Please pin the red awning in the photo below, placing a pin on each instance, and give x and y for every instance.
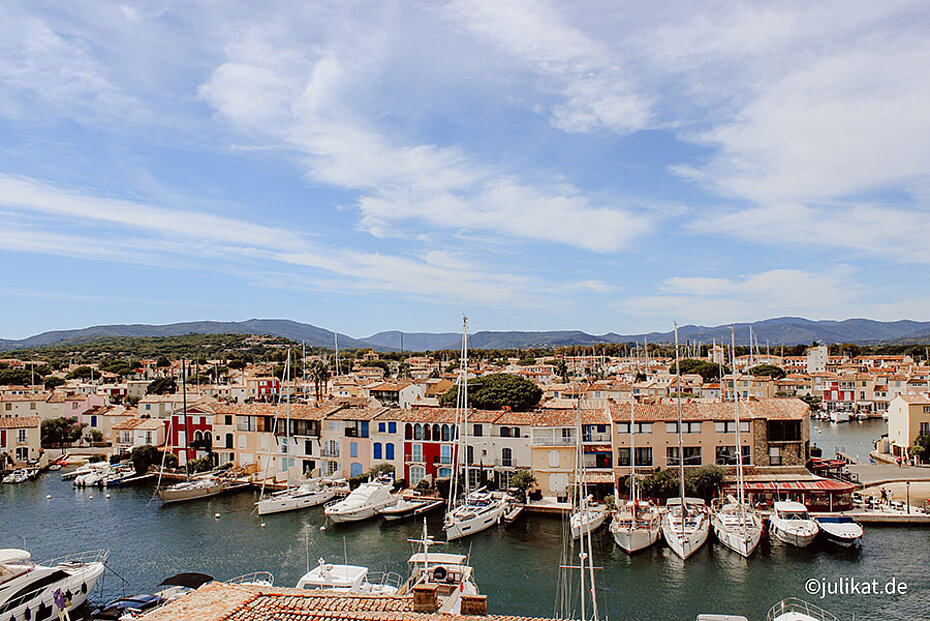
(823, 486)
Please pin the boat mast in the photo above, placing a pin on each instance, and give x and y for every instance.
(184, 407)
(336, 345)
(287, 414)
(739, 449)
(463, 392)
(633, 452)
(681, 440)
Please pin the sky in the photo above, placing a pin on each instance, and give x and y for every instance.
(366, 166)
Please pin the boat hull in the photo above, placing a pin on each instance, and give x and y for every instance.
(685, 542)
(182, 495)
(584, 524)
(356, 515)
(79, 584)
(633, 540)
(794, 537)
(480, 521)
(282, 505)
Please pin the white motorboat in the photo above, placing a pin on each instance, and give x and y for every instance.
(363, 502)
(685, 526)
(73, 474)
(792, 524)
(255, 578)
(636, 526)
(17, 476)
(588, 518)
(201, 487)
(737, 527)
(93, 475)
(310, 494)
(841, 530)
(348, 578)
(450, 574)
(28, 589)
(407, 508)
(480, 511)
(794, 609)
(839, 416)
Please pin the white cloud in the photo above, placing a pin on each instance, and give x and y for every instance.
(307, 107)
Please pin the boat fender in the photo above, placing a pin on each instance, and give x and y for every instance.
(440, 573)
(84, 588)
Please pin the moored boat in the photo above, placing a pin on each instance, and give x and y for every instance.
(636, 526)
(310, 494)
(841, 530)
(408, 508)
(792, 524)
(349, 578)
(31, 590)
(363, 502)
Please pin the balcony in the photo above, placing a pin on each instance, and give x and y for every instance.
(600, 438)
(329, 453)
(554, 441)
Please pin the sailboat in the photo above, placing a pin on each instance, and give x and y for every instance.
(478, 510)
(685, 525)
(308, 494)
(737, 525)
(200, 486)
(587, 515)
(637, 524)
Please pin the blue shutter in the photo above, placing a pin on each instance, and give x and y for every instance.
(392, 427)
(377, 450)
(389, 450)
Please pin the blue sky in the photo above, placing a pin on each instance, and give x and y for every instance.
(390, 165)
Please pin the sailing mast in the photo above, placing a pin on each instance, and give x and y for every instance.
(336, 343)
(463, 392)
(681, 440)
(461, 405)
(184, 406)
(739, 450)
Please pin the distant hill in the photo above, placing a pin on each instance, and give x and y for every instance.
(780, 331)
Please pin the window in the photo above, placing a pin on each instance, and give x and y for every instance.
(470, 454)
(408, 432)
(417, 474)
(445, 433)
(925, 429)
(427, 434)
(416, 454)
(21, 436)
(445, 454)
(686, 427)
(784, 430)
(32, 405)
(364, 433)
(376, 450)
(8, 406)
(730, 426)
(774, 455)
(692, 455)
(381, 427)
(392, 427)
(418, 432)
(643, 456)
(229, 440)
(726, 455)
(228, 420)
(506, 457)
(478, 430)
(445, 473)
(516, 433)
(353, 449)
(505, 432)
(553, 459)
(388, 450)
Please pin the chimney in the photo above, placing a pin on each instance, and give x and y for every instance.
(475, 605)
(424, 598)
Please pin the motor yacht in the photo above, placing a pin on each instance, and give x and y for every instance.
(480, 510)
(349, 578)
(636, 526)
(17, 476)
(685, 526)
(310, 494)
(841, 530)
(794, 609)
(738, 527)
(792, 524)
(31, 590)
(363, 502)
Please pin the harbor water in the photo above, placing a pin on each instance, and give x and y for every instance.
(517, 567)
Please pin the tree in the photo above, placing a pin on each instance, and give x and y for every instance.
(767, 370)
(60, 431)
(15, 377)
(162, 386)
(146, 456)
(319, 375)
(526, 362)
(53, 381)
(96, 435)
(497, 390)
(83, 372)
(707, 370)
(403, 370)
(703, 482)
(921, 449)
(162, 362)
(523, 480)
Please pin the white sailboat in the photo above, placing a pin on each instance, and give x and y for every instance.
(478, 510)
(737, 525)
(637, 524)
(309, 494)
(587, 515)
(685, 525)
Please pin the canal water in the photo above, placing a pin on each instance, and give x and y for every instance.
(517, 567)
(855, 438)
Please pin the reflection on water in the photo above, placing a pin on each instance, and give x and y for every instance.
(856, 438)
(517, 567)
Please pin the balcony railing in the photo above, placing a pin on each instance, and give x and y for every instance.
(596, 437)
(554, 441)
(329, 453)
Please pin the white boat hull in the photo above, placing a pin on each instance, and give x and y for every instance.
(687, 541)
(800, 539)
(584, 522)
(741, 539)
(272, 505)
(172, 494)
(632, 540)
(357, 515)
(80, 583)
(463, 524)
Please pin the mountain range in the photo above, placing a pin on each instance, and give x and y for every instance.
(779, 331)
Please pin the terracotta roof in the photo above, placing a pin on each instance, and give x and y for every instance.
(556, 418)
(231, 602)
(356, 413)
(391, 386)
(9, 397)
(19, 422)
(298, 411)
(921, 399)
(419, 415)
(786, 409)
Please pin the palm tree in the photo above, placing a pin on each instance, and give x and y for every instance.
(318, 374)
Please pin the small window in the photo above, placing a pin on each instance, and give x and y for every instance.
(376, 450)
(479, 431)
(389, 451)
(553, 459)
(392, 427)
(381, 427)
(353, 449)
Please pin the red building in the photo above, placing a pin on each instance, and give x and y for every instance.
(194, 431)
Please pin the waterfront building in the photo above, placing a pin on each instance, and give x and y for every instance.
(398, 394)
(555, 451)
(908, 418)
(428, 442)
(352, 427)
(20, 439)
(134, 432)
(103, 418)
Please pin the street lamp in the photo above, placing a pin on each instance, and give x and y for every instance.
(907, 496)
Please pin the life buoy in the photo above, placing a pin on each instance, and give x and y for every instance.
(440, 573)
